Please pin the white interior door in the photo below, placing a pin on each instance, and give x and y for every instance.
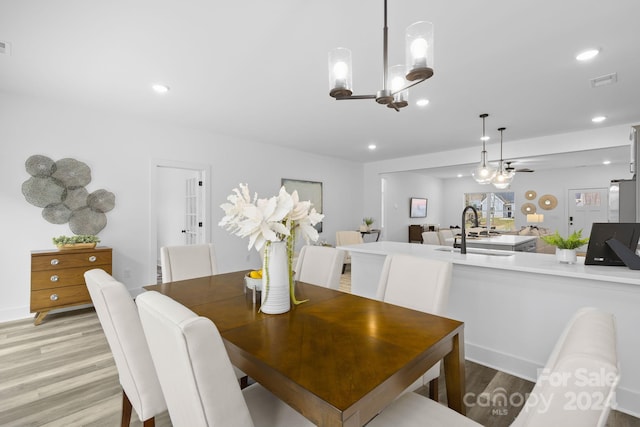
(586, 206)
(193, 223)
(173, 209)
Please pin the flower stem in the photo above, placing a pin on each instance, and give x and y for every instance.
(265, 268)
(291, 239)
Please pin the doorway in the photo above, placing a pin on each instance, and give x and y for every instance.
(179, 208)
(586, 206)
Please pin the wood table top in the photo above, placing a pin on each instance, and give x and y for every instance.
(338, 358)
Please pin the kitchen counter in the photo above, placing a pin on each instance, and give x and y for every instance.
(517, 261)
(515, 304)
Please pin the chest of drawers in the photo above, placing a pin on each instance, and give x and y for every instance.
(57, 277)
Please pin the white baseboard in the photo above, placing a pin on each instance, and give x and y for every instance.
(16, 313)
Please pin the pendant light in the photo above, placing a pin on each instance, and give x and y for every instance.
(484, 173)
(396, 80)
(503, 178)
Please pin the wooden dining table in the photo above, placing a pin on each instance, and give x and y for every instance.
(338, 358)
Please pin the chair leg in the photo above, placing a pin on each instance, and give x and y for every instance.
(151, 422)
(126, 410)
(344, 267)
(433, 389)
(244, 382)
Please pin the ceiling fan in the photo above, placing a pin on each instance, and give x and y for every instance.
(510, 168)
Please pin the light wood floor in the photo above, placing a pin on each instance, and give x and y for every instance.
(61, 373)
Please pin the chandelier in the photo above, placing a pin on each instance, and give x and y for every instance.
(396, 80)
(503, 177)
(484, 172)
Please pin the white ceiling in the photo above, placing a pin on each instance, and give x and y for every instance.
(258, 69)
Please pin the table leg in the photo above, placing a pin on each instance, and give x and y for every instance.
(454, 374)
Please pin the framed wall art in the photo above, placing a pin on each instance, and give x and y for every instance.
(417, 207)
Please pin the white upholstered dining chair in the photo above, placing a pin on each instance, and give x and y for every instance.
(320, 265)
(118, 316)
(420, 284)
(348, 237)
(187, 262)
(446, 237)
(430, 238)
(583, 365)
(196, 375)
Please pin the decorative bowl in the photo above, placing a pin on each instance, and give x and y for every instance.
(253, 283)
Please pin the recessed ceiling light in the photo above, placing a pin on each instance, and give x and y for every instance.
(372, 147)
(459, 175)
(587, 54)
(422, 102)
(158, 88)
(606, 162)
(599, 119)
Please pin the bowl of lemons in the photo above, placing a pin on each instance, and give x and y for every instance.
(253, 280)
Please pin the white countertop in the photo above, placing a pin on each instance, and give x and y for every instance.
(503, 239)
(518, 261)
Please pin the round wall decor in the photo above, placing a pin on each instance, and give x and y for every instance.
(528, 208)
(548, 202)
(530, 194)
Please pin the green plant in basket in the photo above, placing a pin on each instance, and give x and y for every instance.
(368, 221)
(574, 241)
(77, 238)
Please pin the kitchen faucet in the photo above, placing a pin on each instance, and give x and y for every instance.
(463, 237)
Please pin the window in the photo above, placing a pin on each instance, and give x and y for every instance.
(495, 208)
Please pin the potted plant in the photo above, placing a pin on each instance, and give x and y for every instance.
(77, 241)
(566, 247)
(367, 221)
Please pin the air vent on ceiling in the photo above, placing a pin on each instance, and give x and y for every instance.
(607, 79)
(4, 48)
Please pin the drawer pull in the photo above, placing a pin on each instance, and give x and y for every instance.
(54, 297)
(54, 261)
(54, 278)
(92, 258)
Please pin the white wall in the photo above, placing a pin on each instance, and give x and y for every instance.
(119, 151)
(400, 187)
(600, 137)
(556, 182)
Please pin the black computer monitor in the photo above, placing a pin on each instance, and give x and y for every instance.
(613, 243)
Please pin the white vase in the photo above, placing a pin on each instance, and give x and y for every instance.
(566, 256)
(275, 293)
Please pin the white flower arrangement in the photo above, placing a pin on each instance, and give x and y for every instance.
(270, 220)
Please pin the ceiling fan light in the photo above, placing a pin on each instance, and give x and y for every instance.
(419, 50)
(340, 77)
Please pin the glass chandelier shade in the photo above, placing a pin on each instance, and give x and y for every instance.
(502, 179)
(484, 172)
(396, 80)
(419, 50)
(340, 80)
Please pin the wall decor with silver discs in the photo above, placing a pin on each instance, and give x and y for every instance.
(59, 188)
